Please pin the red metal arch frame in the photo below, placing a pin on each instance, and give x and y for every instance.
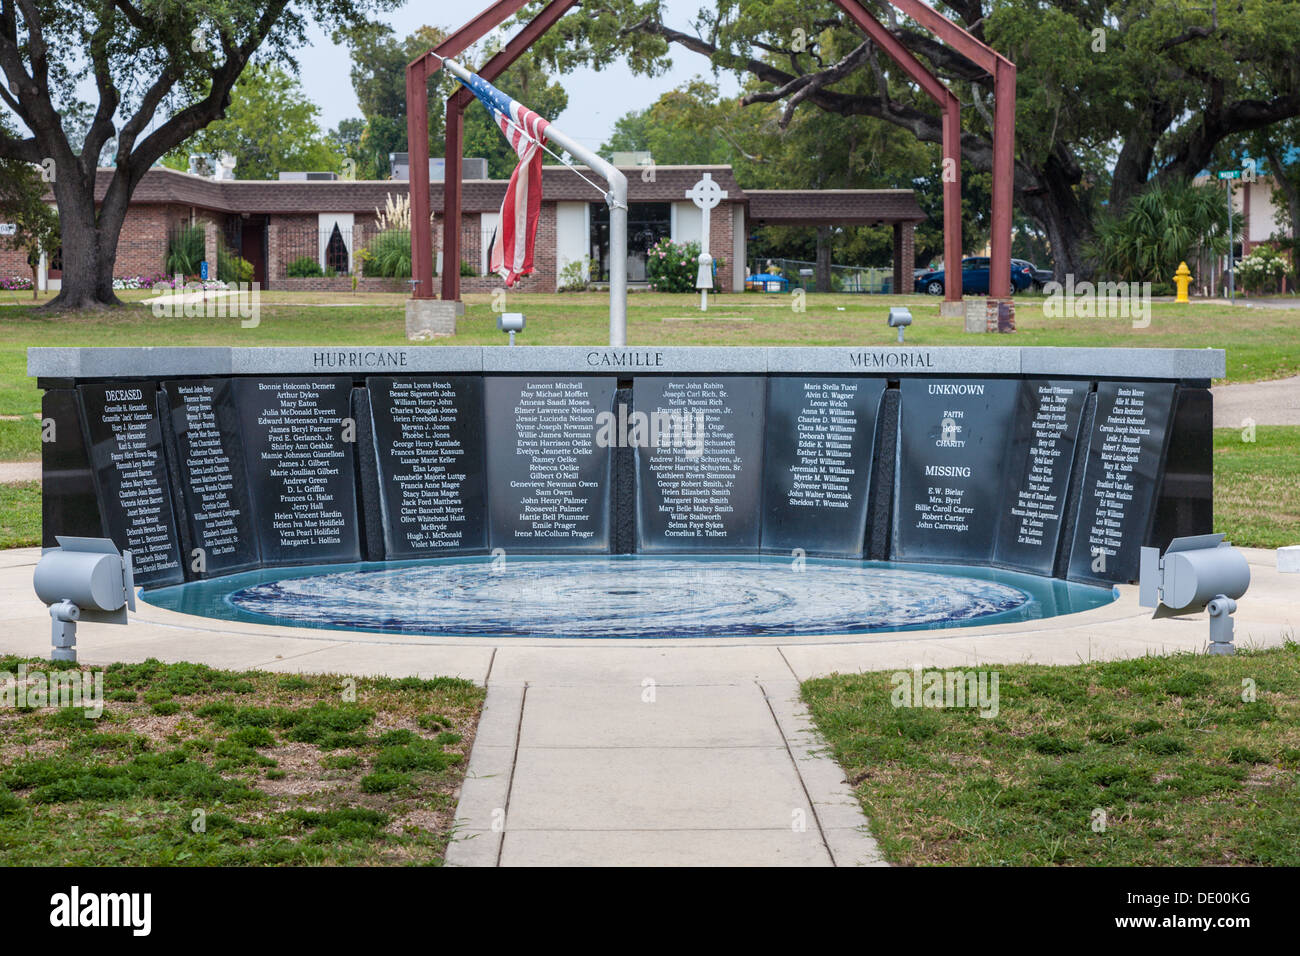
(986, 58)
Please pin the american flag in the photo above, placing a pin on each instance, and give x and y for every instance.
(516, 233)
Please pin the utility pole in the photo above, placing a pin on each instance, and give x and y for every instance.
(1228, 175)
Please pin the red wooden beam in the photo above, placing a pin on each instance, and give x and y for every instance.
(953, 34)
(1004, 177)
(417, 146)
(951, 165)
(456, 104)
(518, 46)
(1003, 72)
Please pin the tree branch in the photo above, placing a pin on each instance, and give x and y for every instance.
(101, 127)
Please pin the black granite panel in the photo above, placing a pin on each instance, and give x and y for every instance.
(1186, 502)
(1039, 460)
(69, 505)
(821, 433)
(124, 435)
(548, 472)
(1123, 475)
(298, 434)
(953, 436)
(214, 505)
(699, 469)
(428, 440)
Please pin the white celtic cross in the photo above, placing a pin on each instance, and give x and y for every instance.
(706, 194)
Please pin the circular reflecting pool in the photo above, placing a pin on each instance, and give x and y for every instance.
(630, 596)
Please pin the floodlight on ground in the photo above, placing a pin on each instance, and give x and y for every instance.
(83, 579)
(900, 317)
(1200, 572)
(511, 322)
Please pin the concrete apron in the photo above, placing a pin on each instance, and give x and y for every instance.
(645, 752)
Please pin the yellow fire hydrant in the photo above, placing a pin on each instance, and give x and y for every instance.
(1182, 279)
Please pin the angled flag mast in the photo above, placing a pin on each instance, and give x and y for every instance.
(527, 133)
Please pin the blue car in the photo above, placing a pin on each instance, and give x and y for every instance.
(975, 277)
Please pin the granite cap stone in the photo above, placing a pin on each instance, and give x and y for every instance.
(895, 360)
(174, 361)
(639, 360)
(1124, 363)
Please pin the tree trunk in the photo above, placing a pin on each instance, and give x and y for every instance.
(89, 244)
(1055, 206)
(823, 258)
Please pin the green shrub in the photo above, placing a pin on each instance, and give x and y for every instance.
(388, 255)
(185, 250)
(231, 268)
(1152, 232)
(304, 268)
(466, 269)
(673, 266)
(573, 277)
(1262, 270)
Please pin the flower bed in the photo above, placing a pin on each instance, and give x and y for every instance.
(124, 283)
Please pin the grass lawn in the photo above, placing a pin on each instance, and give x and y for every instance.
(1184, 771)
(1257, 486)
(193, 766)
(20, 515)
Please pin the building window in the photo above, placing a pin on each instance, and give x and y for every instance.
(647, 223)
(336, 254)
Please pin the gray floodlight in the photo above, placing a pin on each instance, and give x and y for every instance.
(1199, 572)
(83, 579)
(900, 316)
(511, 322)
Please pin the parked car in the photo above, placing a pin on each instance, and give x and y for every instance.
(974, 278)
(1038, 277)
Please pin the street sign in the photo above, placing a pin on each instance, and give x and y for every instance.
(203, 270)
(1230, 174)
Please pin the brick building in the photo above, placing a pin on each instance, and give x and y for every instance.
(273, 224)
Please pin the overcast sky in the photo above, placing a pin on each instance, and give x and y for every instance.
(596, 100)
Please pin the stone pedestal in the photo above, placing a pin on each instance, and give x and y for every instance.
(430, 319)
(1001, 315)
(951, 310)
(975, 314)
(1288, 559)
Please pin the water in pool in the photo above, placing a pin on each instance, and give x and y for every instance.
(630, 596)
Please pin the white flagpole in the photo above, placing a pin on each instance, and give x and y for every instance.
(616, 199)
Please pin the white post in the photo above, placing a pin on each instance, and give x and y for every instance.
(616, 199)
(706, 194)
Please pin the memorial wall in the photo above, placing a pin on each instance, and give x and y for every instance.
(1050, 461)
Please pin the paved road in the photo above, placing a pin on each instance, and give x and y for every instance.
(1265, 403)
(1274, 303)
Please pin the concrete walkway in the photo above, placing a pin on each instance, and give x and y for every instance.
(1265, 403)
(14, 472)
(649, 752)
